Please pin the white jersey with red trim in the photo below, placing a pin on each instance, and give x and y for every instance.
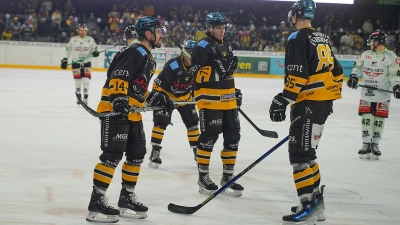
(80, 48)
(377, 70)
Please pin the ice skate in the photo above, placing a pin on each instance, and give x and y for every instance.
(85, 100)
(305, 214)
(365, 151)
(130, 207)
(206, 185)
(99, 210)
(155, 159)
(234, 189)
(78, 96)
(319, 204)
(375, 151)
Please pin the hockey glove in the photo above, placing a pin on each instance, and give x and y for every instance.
(157, 98)
(64, 63)
(95, 53)
(121, 104)
(396, 88)
(239, 97)
(352, 81)
(277, 110)
(226, 66)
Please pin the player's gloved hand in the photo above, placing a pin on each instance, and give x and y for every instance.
(64, 63)
(352, 81)
(277, 110)
(95, 53)
(239, 97)
(396, 88)
(233, 64)
(157, 98)
(121, 104)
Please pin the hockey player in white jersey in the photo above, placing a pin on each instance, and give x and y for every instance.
(379, 68)
(82, 47)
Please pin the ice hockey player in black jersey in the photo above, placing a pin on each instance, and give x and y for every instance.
(175, 81)
(217, 100)
(126, 87)
(313, 80)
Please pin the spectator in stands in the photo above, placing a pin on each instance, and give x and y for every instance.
(335, 40)
(68, 7)
(367, 28)
(57, 17)
(16, 28)
(113, 21)
(54, 31)
(48, 5)
(148, 9)
(29, 9)
(2, 25)
(26, 31)
(269, 47)
(43, 31)
(186, 9)
(7, 34)
(92, 23)
(43, 11)
(394, 45)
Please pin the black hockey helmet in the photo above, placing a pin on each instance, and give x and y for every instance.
(302, 9)
(148, 23)
(377, 36)
(130, 32)
(215, 18)
(82, 26)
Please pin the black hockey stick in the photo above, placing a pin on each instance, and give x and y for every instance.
(265, 133)
(97, 114)
(377, 89)
(190, 210)
(186, 53)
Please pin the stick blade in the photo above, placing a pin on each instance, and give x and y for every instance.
(270, 134)
(182, 209)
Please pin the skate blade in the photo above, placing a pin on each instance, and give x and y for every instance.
(321, 216)
(310, 221)
(204, 191)
(154, 165)
(101, 218)
(132, 214)
(364, 156)
(232, 193)
(372, 156)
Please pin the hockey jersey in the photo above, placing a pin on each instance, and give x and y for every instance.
(311, 70)
(175, 80)
(129, 74)
(80, 48)
(377, 70)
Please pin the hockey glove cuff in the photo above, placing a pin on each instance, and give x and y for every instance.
(277, 110)
(64, 63)
(352, 81)
(396, 88)
(239, 97)
(121, 104)
(157, 98)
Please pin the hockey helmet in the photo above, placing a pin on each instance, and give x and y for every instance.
(377, 36)
(189, 44)
(302, 9)
(82, 26)
(130, 32)
(148, 23)
(215, 18)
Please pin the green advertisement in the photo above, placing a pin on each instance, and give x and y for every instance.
(253, 65)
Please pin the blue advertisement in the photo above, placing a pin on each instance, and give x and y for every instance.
(347, 66)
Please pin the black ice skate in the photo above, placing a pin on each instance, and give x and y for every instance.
(155, 159)
(234, 189)
(128, 201)
(319, 204)
(365, 151)
(206, 185)
(375, 151)
(78, 96)
(305, 214)
(99, 205)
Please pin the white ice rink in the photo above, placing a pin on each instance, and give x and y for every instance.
(49, 147)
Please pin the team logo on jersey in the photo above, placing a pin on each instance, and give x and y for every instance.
(372, 73)
(374, 64)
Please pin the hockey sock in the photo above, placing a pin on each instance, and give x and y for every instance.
(86, 83)
(78, 84)
(157, 135)
(379, 124)
(304, 180)
(103, 175)
(193, 136)
(316, 175)
(228, 158)
(130, 173)
(366, 127)
(203, 160)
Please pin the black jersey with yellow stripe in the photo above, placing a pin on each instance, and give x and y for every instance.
(175, 80)
(129, 74)
(211, 90)
(311, 70)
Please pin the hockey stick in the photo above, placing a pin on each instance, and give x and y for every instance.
(265, 133)
(97, 114)
(377, 89)
(186, 53)
(90, 55)
(190, 210)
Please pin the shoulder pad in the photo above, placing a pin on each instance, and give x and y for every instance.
(142, 51)
(174, 65)
(293, 35)
(203, 43)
